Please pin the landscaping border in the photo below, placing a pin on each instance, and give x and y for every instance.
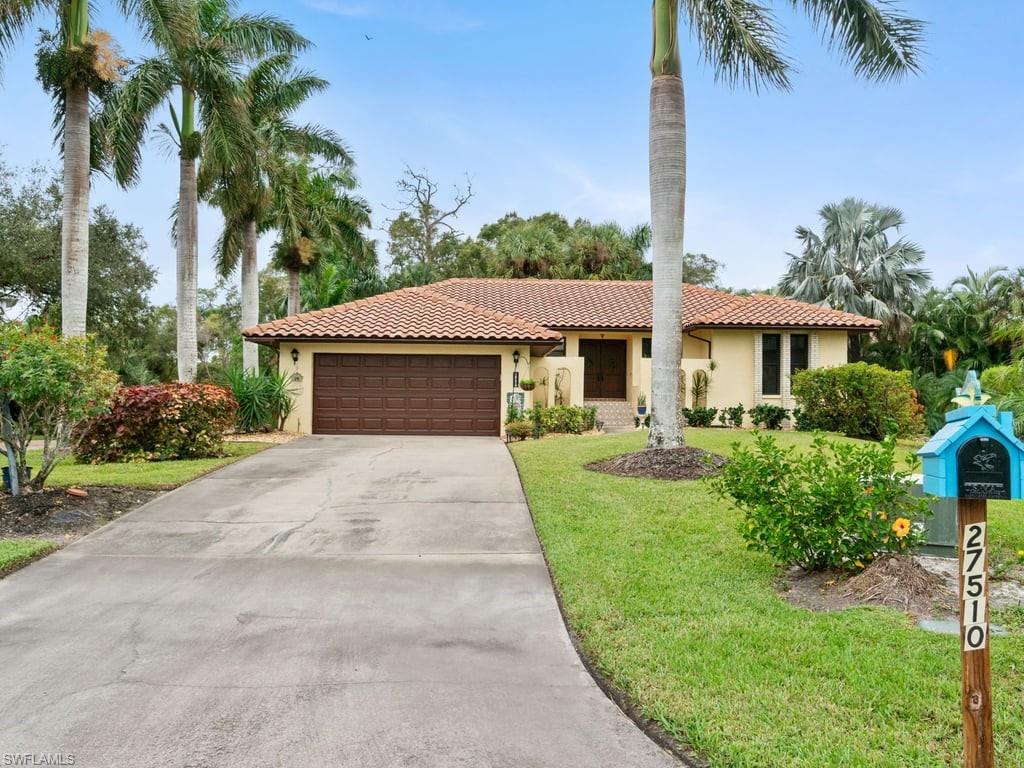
(651, 728)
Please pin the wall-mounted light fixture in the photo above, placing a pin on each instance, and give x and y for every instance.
(295, 355)
(515, 357)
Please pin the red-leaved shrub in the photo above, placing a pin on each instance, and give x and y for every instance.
(164, 421)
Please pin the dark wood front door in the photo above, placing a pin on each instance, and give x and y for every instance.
(604, 369)
(406, 394)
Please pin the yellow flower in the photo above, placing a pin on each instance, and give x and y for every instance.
(858, 563)
(901, 527)
(883, 516)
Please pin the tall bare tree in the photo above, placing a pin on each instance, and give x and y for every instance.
(424, 221)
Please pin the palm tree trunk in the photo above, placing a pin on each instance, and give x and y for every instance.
(187, 268)
(250, 294)
(74, 246)
(293, 292)
(668, 191)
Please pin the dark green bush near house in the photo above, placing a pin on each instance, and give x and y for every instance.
(699, 416)
(768, 416)
(732, 417)
(264, 399)
(518, 430)
(858, 400)
(163, 421)
(564, 419)
(835, 506)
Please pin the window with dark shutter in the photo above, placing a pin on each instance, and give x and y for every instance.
(798, 352)
(771, 363)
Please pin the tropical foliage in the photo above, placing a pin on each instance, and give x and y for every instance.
(200, 45)
(856, 264)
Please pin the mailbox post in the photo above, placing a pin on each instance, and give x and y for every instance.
(974, 457)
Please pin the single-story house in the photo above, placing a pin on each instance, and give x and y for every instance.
(447, 358)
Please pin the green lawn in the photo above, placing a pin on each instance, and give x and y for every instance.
(674, 610)
(151, 474)
(14, 553)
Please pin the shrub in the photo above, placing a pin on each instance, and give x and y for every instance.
(858, 400)
(518, 430)
(732, 417)
(264, 400)
(935, 394)
(1002, 379)
(564, 419)
(768, 416)
(837, 505)
(699, 416)
(49, 384)
(165, 421)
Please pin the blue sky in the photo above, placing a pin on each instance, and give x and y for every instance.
(544, 105)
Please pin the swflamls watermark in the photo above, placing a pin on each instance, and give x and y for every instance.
(31, 759)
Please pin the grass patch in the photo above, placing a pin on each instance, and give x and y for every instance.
(148, 474)
(16, 553)
(675, 611)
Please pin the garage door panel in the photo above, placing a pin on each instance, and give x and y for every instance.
(406, 394)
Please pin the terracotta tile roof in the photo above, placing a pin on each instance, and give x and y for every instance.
(410, 313)
(628, 304)
(465, 309)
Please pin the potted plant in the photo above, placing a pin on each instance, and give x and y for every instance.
(527, 385)
(641, 403)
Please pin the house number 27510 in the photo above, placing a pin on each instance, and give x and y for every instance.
(974, 595)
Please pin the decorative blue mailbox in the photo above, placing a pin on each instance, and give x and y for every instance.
(976, 455)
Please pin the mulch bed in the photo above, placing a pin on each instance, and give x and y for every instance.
(896, 581)
(683, 463)
(55, 514)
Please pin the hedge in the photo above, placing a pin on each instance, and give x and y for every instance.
(858, 400)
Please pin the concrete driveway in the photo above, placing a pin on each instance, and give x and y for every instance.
(351, 601)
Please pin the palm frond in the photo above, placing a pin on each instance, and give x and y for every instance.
(740, 40)
(128, 111)
(881, 42)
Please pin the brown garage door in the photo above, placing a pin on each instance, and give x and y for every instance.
(406, 394)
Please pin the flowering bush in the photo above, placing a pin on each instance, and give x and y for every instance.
(858, 400)
(165, 421)
(48, 384)
(838, 505)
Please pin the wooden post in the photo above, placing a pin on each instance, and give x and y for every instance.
(976, 668)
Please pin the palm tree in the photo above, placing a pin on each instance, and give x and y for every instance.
(740, 40)
(71, 64)
(853, 266)
(314, 213)
(273, 90)
(339, 276)
(200, 45)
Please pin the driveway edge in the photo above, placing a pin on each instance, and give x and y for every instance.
(651, 728)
